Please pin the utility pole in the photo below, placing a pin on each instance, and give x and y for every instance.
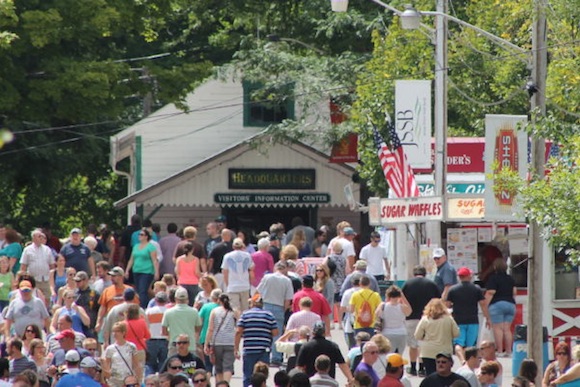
(537, 264)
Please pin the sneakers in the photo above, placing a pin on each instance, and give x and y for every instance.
(422, 373)
(411, 371)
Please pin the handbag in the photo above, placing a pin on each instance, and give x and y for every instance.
(378, 325)
(211, 350)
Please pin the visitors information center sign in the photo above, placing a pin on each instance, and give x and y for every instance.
(409, 210)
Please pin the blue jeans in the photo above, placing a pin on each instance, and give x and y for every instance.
(249, 361)
(157, 350)
(278, 312)
(142, 283)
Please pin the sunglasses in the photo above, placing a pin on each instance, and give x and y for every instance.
(91, 349)
(199, 380)
(181, 342)
(142, 234)
(132, 385)
(436, 258)
(319, 270)
(176, 367)
(32, 331)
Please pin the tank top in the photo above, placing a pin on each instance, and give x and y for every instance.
(393, 319)
(187, 272)
(77, 323)
(59, 281)
(223, 330)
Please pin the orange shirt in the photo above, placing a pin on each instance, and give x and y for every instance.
(112, 296)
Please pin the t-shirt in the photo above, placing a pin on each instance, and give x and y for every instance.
(364, 367)
(190, 363)
(77, 256)
(315, 347)
(503, 284)
(78, 379)
(238, 263)
(446, 275)
(142, 259)
(179, 319)
(469, 375)
(465, 297)
(263, 263)
(204, 314)
(419, 291)
(13, 250)
(23, 313)
(59, 355)
(217, 254)
(258, 325)
(210, 243)
(374, 255)
(21, 364)
(357, 300)
(121, 360)
(435, 380)
(112, 297)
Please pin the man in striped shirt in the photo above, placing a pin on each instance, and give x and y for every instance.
(157, 345)
(257, 327)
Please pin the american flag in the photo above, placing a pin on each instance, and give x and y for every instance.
(398, 172)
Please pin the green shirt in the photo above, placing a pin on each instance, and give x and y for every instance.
(13, 250)
(182, 319)
(204, 314)
(142, 259)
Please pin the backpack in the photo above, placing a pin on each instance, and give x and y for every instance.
(364, 315)
(331, 266)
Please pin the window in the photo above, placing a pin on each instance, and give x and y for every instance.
(262, 107)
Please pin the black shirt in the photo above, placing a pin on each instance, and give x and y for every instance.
(126, 240)
(274, 252)
(419, 291)
(190, 363)
(465, 297)
(217, 254)
(436, 380)
(315, 347)
(503, 284)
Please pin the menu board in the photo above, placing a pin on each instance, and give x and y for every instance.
(462, 248)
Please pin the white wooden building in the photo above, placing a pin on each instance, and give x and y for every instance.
(184, 166)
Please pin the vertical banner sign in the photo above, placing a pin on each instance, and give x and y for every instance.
(505, 147)
(413, 121)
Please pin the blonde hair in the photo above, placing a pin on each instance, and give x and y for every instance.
(435, 309)
(341, 226)
(382, 342)
(576, 352)
(289, 252)
(321, 282)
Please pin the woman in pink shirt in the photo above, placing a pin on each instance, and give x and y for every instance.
(187, 271)
(263, 261)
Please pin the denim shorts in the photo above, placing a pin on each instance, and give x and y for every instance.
(502, 312)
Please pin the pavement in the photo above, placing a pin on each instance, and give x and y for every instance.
(338, 337)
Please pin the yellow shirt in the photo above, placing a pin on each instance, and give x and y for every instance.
(357, 300)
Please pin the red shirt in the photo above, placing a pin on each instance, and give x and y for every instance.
(137, 333)
(390, 381)
(319, 304)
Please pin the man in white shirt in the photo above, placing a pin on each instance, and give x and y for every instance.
(376, 258)
(37, 260)
(467, 370)
(238, 270)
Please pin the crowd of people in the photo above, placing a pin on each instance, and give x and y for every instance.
(171, 311)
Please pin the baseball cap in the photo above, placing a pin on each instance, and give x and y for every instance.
(129, 294)
(438, 252)
(396, 360)
(444, 354)
(72, 356)
(348, 231)
(256, 298)
(221, 219)
(67, 333)
(464, 272)
(181, 294)
(75, 230)
(89, 362)
(117, 270)
(25, 285)
(360, 265)
(161, 296)
(273, 237)
(318, 329)
(81, 275)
